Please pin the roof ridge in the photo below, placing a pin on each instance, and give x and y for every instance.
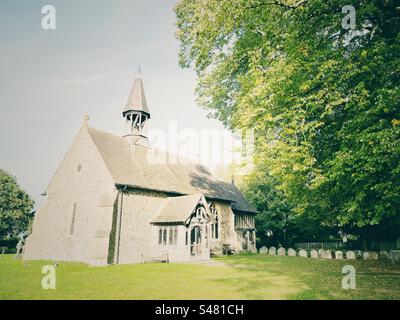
(157, 150)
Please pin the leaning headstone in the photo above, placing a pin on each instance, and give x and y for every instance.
(281, 251)
(384, 255)
(314, 254)
(291, 252)
(263, 250)
(370, 255)
(394, 256)
(303, 253)
(272, 250)
(326, 254)
(350, 255)
(339, 255)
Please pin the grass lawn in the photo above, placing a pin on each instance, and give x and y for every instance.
(244, 276)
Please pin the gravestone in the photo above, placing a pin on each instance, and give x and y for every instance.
(370, 255)
(303, 253)
(326, 254)
(384, 255)
(3, 250)
(272, 250)
(339, 255)
(320, 252)
(263, 250)
(281, 251)
(394, 256)
(19, 250)
(374, 255)
(291, 252)
(314, 254)
(359, 254)
(350, 255)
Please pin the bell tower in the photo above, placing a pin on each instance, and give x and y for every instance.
(136, 115)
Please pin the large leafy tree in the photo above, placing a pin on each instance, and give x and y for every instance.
(323, 99)
(276, 225)
(15, 207)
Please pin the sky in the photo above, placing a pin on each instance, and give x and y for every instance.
(49, 79)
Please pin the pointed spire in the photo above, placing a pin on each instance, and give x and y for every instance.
(137, 99)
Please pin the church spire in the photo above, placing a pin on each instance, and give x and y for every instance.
(137, 99)
(136, 114)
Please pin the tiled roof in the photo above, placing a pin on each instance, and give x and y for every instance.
(137, 98)
(177, 209)
(155, 170)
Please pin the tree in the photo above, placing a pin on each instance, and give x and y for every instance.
(15, 207)
(276, 223)
(273, 207)
(323, 99)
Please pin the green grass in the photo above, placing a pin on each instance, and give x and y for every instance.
(243, 277)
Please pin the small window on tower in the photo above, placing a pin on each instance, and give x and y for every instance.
(79, 168)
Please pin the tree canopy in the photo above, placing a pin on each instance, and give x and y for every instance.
(15, 207)
(323, 99)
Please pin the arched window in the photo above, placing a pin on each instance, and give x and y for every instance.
(165, 236)
(195, 235)
(171, 236)
(160, 232)
(215, 224)
(195, 241)
(175, 236)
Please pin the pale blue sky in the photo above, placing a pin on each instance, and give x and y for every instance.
(50, 79)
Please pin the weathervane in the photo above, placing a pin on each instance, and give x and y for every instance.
(86, 119)
(139, 71)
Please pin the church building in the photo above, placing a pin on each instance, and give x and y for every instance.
(116, 200)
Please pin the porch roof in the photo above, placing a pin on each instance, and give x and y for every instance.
(177, 209)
